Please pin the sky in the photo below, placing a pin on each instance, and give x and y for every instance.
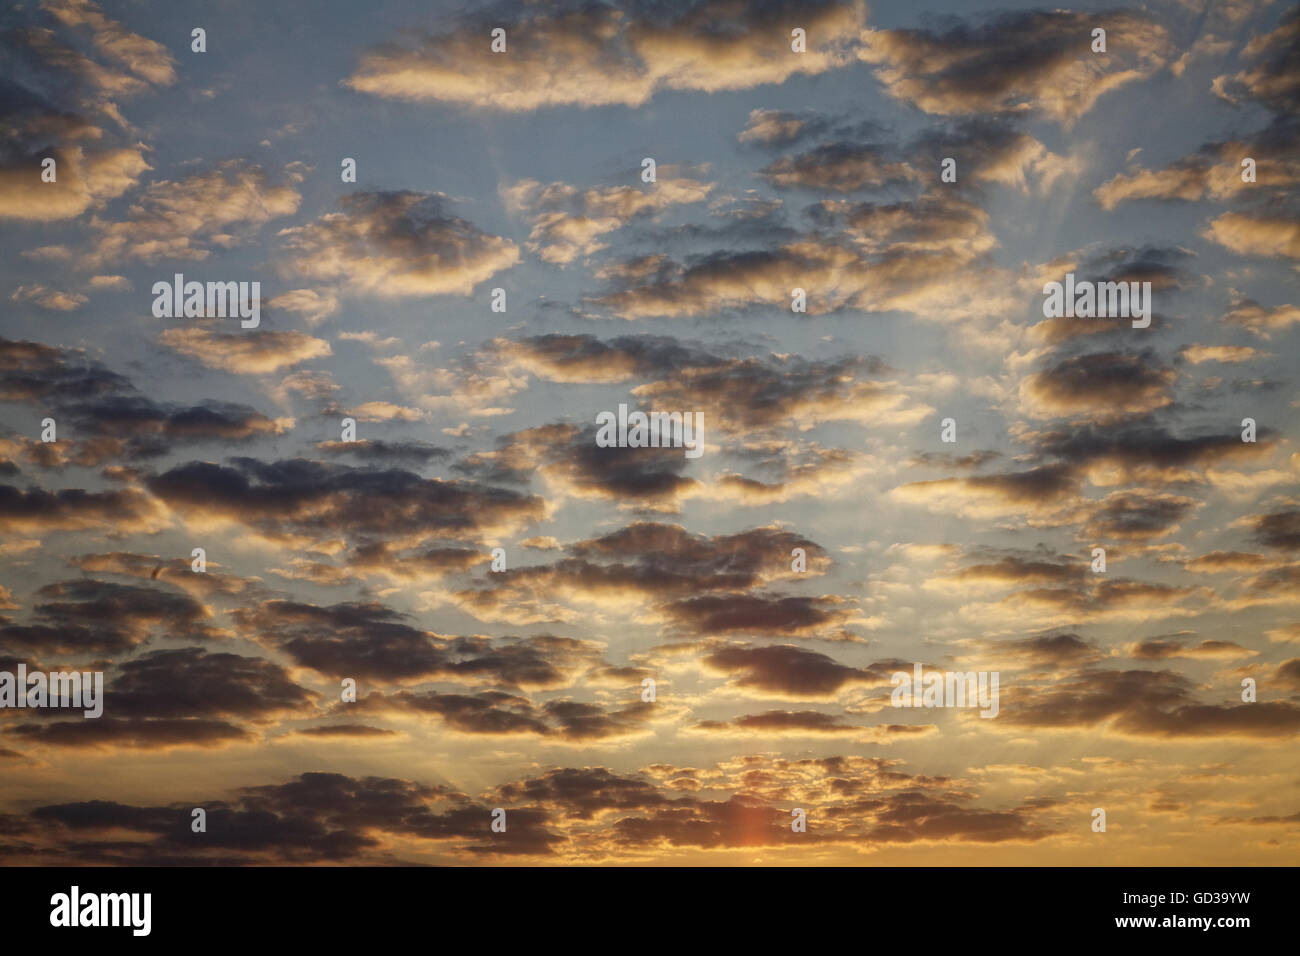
(643, 655)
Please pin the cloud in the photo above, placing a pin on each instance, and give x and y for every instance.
(194, 682)
(1274, 79)
(779, 127)
(976, 459)
(48, 298)
(345, 730)
(874, 257)
(1261, 320)
(175, 698)
(245, 353)
(385, 412)
(821, 617)
(1138, 515)
(806, 723)
(500, 714)
(791, 470)
(1098, 599)
(1214, 171)
(142, 56)
(1052, 653)
(1140, 703)
(117, 283)
(1220, 561)
(182, 219)
(1014, 569)
(573, 813)
(567, 222)
(54, 106)
(312, 502)
(993, 151)
(311, 818)
(1156, 650)
(1278, 529)
(88, 616)
(109, 414)
(649, 563)
(1099, 387)
(111, 732)
(36, 511)
(784, 670)
(371, 642)
(838, 166)
(384, 452)
(1038, 493)
(1142, 452)
(314, 305)
(1027, 60)
(396, 244)
(595, 54)
(571, 463)
(770, 392)
(362, 641)
(177, 572)
(1196, 354)
(1261, 233)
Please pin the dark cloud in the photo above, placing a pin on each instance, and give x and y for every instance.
(117, 733)
(773, 614)
(911, 817)
(1141, 703)
(316, 817)
(874, 257)
(297, 498)
(373, 642)
(89, 616)
(839, 166)
(1279, 529)
(790, 671)
(1137, 515)
(1024, 60)
(384, 452)
(1047, 651)
(1100, 387)
(569, 459)
(1156, 650)
(1146, 452)
(36, 511)
(588, 359)
(1273, 78)
(1011, 570)
(653, 562)
(361, 641)
(345, 730)
(805, 722)
(423, 564)
(194, 682)
(90, 402)
(502, 714)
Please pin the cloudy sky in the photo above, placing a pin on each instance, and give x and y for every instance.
(475, 430)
